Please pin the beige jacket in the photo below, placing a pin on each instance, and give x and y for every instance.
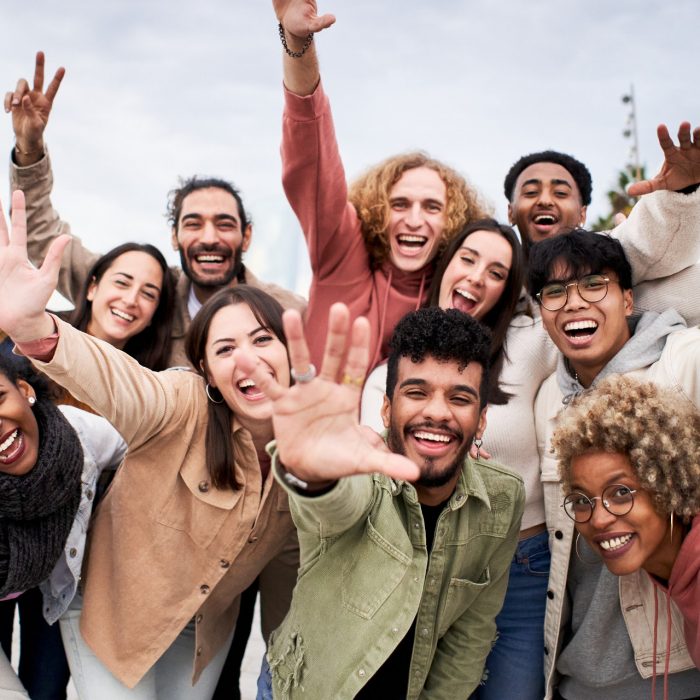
(166, 546)
(44, 225)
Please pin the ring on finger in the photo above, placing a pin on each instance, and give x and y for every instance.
(304, 377)
(354, 381)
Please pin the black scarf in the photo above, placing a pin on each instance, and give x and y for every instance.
(37, 509)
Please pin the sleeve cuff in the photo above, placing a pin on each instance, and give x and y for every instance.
(305, 108)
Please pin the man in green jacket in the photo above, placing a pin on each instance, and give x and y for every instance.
(403, 567)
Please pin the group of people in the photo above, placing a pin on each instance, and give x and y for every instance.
(468, 467)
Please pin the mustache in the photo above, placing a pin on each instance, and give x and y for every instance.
(433, 425)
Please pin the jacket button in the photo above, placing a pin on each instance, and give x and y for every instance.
(73, 551)
(199, 651)
(559, 534)
(224, 564)
(550, 595)
(361, 673)
(203, 486)
(204, 589)
(546, 651)
(253, 539)
(198, 619)
(89, 494)
(395, 630)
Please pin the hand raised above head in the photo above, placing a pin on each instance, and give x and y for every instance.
(300, 17)
(31, 107)
(24, 290)
(681, 166)
(316, 425)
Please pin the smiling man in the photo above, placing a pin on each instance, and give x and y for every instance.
(582, 282)
(210, 226)
(401, 581)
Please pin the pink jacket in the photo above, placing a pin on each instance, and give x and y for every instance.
(314, 182)
(684, 587)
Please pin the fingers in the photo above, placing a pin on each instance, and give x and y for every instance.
(336, 341)
(393, 465)
(684, 136)
(4, 235)
(18, 215)
(52, 89)
(358, 355)
(619, 218)
(665, 140)
(638, 189)
(39, 71)
(297, 349)
(13, 99)
(253, 368)
(318, 24)
(52, 260)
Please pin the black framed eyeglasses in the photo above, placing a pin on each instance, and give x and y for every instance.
(553, 296)
(617, 499)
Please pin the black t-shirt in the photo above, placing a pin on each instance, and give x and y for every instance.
(390, 682)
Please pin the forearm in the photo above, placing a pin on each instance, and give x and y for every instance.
(660, 237)
(301, 73)
(44, 224)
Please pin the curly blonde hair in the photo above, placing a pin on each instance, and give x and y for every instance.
(656, 428)
(369, 195)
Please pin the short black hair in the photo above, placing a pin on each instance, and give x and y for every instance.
(447, 335)
(575, 168)
(583, 252)
(177, 196)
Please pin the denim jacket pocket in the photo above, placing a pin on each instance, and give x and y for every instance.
(461, 593)
(372, 572)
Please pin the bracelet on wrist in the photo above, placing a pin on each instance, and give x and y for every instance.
(294, 54)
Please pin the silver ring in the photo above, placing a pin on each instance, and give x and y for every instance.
(304, 377)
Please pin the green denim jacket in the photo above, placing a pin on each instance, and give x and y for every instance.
(365, 575)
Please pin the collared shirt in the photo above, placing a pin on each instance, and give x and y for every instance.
(365, 576)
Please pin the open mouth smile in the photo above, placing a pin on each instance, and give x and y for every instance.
(411, 244)
(12, 447)
(464, 301)
(122, 315)
(580, 332)
(432, 443)
(250, 391)
(612, 547)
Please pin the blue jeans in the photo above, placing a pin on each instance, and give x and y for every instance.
(43, 668)
(517, 658)
(264, 681)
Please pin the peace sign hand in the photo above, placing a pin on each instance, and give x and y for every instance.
(316, 425)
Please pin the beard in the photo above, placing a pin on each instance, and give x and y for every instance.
(431, 476)
(223, 279)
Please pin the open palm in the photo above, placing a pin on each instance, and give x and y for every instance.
(25, 290)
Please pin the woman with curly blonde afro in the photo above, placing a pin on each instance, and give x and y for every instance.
(629, 458)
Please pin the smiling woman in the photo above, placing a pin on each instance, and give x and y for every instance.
(629, 456)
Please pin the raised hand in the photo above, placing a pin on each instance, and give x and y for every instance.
(316, 425)
(681, 166)
(24, 290)
(31, 108)
(300, 17)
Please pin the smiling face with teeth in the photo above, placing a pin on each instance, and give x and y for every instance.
(589, 334)
(546, 202)
(211, 239)
(417, 218)
(626, 543)
(19, 431)
(236, 326)
(125, 298)
(432, 418)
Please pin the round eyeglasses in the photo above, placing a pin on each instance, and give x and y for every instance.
(553, 296)
(617, 499)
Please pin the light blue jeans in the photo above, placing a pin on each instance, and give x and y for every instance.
(517, 658)
(264, 681)
(170, 678)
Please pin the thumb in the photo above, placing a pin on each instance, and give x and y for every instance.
(320, 23)
(393, 465)
(638, 189)
(619, 218)
(52, 262)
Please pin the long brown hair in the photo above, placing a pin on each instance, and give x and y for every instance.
(219, 438)
(499, 317)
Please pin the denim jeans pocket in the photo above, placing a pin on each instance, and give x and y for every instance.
(534, 555)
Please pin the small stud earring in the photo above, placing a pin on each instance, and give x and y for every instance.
(31, 400)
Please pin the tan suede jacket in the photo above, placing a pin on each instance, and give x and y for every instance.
(44, 225)
(165, 546)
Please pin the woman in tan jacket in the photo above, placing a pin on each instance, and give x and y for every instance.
(193, 515)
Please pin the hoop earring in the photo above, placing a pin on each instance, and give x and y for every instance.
(578, 554)
(671, 526)
(209, 396)
(478, 442)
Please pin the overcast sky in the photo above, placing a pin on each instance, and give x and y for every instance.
(155, 90)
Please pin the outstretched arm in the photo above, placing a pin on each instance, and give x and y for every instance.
(30, 109)
(299, 20)
(681, 166)
(316, 425)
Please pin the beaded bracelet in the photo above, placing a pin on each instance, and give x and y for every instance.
(294, 54)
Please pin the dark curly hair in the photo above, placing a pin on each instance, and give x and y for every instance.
(16, 368)
(197, 182)
(575, 168)
(446, 335)
(583, 252)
